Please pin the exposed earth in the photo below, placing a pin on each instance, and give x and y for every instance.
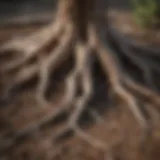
(118, 128)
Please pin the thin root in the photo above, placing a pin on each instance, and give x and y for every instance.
(65, 105)
(142, 91)
(90, 139)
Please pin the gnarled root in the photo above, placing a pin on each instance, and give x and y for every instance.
(43, 66)
(115, 75)
(49, 64)
(32, 45)
(72, 104)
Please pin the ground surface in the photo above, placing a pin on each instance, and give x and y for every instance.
(120, 129)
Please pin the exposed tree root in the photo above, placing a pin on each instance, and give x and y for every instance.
(83, 53)
(32, 45)
(50, 63)
(115, 77)
(69, 43)
(146, 65)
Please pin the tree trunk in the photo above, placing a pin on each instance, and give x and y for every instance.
(82, 13)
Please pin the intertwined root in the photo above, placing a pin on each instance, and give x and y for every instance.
(66, 40)
(33, 46)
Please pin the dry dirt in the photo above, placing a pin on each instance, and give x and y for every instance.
(120, 130)
(124, 22)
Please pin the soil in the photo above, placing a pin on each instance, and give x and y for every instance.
(123, 22)
(120, 130)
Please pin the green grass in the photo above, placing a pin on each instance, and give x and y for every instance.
(146, 13)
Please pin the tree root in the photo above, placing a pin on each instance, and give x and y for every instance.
(146, 65)
(115, 76)
(71, 103)
(49, 64)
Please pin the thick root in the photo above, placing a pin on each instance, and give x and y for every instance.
(139, 62)
(71, 103)
(49, 64)
(82, 63)
(31, 46)
(115, 75)
(82, 57)
(34, 42)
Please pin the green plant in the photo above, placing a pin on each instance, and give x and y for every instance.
(146, 12)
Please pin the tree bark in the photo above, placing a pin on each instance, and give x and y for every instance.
(82, 13)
